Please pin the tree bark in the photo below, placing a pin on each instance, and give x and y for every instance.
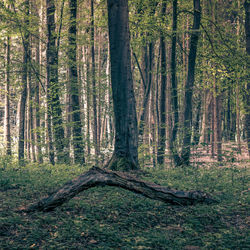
(126, 133)
(37, 96)
(100, 177)
(174, 93)
(185, 154)
(7, 136)
(95, 128)
(162, 127)
(196, 129)
(52, 82)
(74, 88)
(247, 94)
(21, 128)
(148, 82)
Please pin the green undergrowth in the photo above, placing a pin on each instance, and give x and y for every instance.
(112, 218)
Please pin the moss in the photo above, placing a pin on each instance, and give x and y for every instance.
(120, 164)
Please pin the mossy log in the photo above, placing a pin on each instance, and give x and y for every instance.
(102, 177)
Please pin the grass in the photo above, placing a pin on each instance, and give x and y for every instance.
(112, 218)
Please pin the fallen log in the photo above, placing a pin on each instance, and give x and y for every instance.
(102, 177)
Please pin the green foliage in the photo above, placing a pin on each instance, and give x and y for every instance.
(111, 218)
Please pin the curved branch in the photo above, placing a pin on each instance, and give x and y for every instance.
(100, 177)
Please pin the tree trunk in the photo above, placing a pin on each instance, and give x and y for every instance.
(126, 133)
(7, 136)
(88, 101)
(21, 128)
(52, 83)
(217, 121)
(196, 134)
(228, 115)
(247, 94)
(74, 88)
(174, 93)
(185, 155)
(148, 82)
(37, 97)
(100, 177)
(92, 31)
(30, 121)
(238, 116)
(212, 133)
(162, 127)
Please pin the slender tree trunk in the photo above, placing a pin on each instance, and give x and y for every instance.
(247, 94)
(7, 136)
(99, 108)
(68, 131)
(88, 100)
(228, 115)
(21, 129)
(148, 81)
(212, 133)
(37, 98)
(92, 30)
(162, 134)
(126, 134)
(27, 126)
(185, 155)
(217, 125)
(238, 117)
(196, 136)
(74, 88)
(174, 93)
(30, 121)
(205, 117)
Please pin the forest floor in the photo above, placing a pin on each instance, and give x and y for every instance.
(112, 218)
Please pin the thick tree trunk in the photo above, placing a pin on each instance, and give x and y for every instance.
(126, 133)
(100, 177)
(52, 82)
(74, 88)
(7, 136)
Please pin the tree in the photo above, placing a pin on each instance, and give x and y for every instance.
(53, 101)
(22, 107)
(37, 123)
(247, 95)
(95, 128)
(7, 100)
(162, 134)
(125, 153)
(174, 93)
(74, 87)
(185, 155)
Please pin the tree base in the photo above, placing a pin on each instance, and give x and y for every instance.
(100, 177)
(121, 163)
